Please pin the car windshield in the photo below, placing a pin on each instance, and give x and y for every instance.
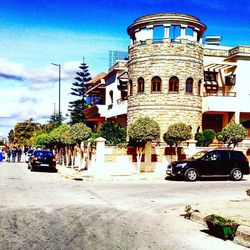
(197, 155)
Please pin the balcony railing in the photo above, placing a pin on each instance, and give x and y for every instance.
(158, 40)
(227, 94)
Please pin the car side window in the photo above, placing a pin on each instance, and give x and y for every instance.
(235, 155)
(212, 156)
(224, 155)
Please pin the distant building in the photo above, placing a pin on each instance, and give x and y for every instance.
(115, 56)
(171, 75)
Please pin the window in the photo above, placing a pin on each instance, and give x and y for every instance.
(189, 85)
(199, 88)
(156, 84)
(212, 156)
(140, 85)
(211, 84)
(174, 84)
(130, 87)
(210, 76)
(111, 96)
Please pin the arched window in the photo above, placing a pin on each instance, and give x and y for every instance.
(130, 87)
(156, 84)
(140, 85)
(111, 96)
(174, 84)
(189, 85)
(199, 88)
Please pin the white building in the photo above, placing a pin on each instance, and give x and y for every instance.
(225, 91)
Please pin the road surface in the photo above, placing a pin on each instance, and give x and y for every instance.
(41, 210)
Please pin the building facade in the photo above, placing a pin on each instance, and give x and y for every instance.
(173, 76)
(166, 71)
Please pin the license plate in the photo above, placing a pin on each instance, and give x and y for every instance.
(44, 165)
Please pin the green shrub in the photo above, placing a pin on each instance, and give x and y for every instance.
(205, 138)
(142, 130)
(232, 134)
(114, 133)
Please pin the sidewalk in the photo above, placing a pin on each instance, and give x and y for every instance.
(88, 175)
(238, 210)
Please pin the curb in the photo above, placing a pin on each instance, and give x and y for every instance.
(73, 175)
(90, 176)
(242, 236)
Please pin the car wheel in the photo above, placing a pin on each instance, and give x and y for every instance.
(236, 174)
(191, 174)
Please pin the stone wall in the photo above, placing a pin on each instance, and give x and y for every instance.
(183, 59)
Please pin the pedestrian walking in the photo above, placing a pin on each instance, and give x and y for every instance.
(19, 153)
(8, 152)
(13, 153)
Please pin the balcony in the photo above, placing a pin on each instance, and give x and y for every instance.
(118, 108)
(219, 101)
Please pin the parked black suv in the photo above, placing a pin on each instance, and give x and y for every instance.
(218, 162)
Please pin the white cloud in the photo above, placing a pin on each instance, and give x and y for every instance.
(36, 95)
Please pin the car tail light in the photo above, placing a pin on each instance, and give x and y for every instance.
(34, 158)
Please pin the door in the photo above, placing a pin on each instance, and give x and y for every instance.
(210, 164)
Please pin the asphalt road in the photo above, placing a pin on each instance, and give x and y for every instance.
(41, 210)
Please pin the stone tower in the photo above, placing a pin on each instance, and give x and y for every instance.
(165, 68)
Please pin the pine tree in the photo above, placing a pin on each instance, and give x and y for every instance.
(76, 107)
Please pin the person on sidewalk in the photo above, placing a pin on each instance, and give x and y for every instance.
(8, 152)
(19, 153)
(14, 151)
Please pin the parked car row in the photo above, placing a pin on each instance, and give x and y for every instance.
(215, 163)
(218, 162)
(38, 159)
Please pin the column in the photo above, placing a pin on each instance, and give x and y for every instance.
(166, 30)
(183, 31)
(150, 31)
(237, 117)
(196, 30)
(137, 35)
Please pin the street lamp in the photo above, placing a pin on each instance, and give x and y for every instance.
(59, 80)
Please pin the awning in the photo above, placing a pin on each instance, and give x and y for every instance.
(97, 88)
(216, 67)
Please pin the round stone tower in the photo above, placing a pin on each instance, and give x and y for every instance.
(165, 68)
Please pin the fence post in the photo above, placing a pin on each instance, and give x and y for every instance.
(147, 158)
(100, 150)
(191, 144)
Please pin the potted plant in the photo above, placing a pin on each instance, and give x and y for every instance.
(221, 227)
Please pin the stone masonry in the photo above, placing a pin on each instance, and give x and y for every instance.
(182, 58)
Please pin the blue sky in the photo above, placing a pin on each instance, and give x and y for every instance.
(36, 33)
